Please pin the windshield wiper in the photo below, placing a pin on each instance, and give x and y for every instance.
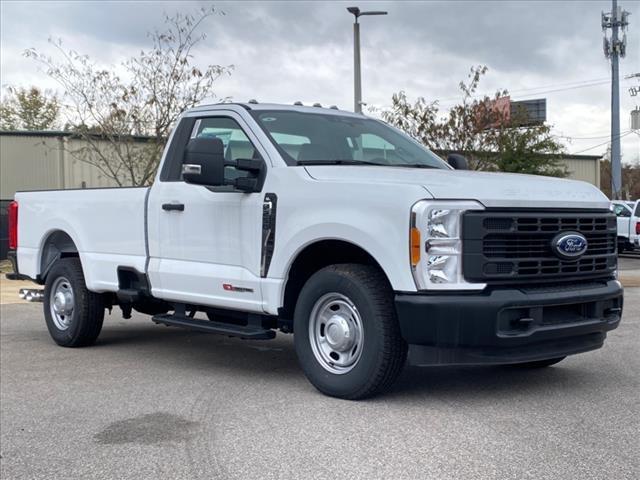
(340, 162)
(414, 165)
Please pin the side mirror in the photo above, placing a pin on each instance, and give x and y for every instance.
(458, 161)
(204, 162)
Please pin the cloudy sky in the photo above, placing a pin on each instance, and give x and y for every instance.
(288, 51)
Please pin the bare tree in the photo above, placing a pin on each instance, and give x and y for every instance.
(125, 118)
(29, 109)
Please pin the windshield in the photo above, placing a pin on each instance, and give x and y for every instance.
(315, 139)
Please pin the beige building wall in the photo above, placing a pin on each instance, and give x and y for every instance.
(29, 163)
(585, 170)
(42, 162)
(79, 174)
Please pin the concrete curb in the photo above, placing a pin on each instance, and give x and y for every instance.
(629, 278)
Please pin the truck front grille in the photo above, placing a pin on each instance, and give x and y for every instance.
(503, 246)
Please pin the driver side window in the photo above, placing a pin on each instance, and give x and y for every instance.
(621, 211)
(236, 143)
(369, 147)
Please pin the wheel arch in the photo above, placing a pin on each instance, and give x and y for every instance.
(56, 244)
(315, 256)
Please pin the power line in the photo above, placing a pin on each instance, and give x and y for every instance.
(570, 137)
(594, 84)
(515, 93)
(567, 86)
(604, 143)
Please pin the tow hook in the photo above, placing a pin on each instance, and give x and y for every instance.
(31, 294)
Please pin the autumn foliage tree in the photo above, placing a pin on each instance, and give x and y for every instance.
(124, 114)
(492, 138)
(630, 179)
(29, 109)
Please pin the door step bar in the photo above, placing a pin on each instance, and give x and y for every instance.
(247, 332)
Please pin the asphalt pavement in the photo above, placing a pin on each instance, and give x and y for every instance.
(152, 402)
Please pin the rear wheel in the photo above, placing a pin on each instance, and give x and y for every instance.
(346, 332)
(73, 314)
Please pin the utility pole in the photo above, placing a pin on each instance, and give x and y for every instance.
(357, 76)
(615, 48)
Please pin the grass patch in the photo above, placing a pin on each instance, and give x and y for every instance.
(5, 266)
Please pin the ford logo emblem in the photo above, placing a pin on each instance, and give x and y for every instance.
(569, 246)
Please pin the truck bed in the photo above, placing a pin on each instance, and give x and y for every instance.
(107, 226)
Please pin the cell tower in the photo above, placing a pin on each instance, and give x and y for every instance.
(614, 49)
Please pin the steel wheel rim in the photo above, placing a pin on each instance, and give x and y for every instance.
(336, 333)
(62, 303)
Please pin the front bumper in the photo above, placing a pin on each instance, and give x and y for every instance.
(508, 325)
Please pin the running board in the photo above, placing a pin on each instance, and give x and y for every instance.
(247, 332)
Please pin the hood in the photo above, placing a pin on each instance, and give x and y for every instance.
(490, 189)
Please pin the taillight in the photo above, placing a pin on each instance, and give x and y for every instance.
(12, 213)
(637, 228)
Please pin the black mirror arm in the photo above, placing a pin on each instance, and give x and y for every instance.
(253, 165)
(245, 184)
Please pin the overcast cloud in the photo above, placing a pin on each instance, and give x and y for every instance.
(286, 51)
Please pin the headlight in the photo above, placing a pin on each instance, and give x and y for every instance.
(436, 246)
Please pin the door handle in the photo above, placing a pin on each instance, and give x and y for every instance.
(178, 207)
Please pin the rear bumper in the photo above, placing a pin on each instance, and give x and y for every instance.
(508, 325)
(15, 273)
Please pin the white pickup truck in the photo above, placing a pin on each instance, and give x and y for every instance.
(340, 229)
(628, 214)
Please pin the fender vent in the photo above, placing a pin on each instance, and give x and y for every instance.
(268, 232)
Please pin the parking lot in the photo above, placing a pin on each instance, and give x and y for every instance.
(156, 402)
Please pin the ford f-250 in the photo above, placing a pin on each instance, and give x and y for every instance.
(340, 229)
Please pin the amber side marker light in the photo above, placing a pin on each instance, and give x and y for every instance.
(415, 246)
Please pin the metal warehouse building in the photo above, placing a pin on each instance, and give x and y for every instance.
(39, 160)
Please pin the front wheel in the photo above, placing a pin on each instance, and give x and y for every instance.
(74, 315)
(346, 332)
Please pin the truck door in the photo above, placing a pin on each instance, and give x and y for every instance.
(634, 227)
(204, 242)
(623, 217)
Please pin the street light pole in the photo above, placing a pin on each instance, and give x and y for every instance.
(357, 75)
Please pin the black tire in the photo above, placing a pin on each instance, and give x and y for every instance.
(85, 320)
(622, 244)
(383, 349)
(539, 363)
